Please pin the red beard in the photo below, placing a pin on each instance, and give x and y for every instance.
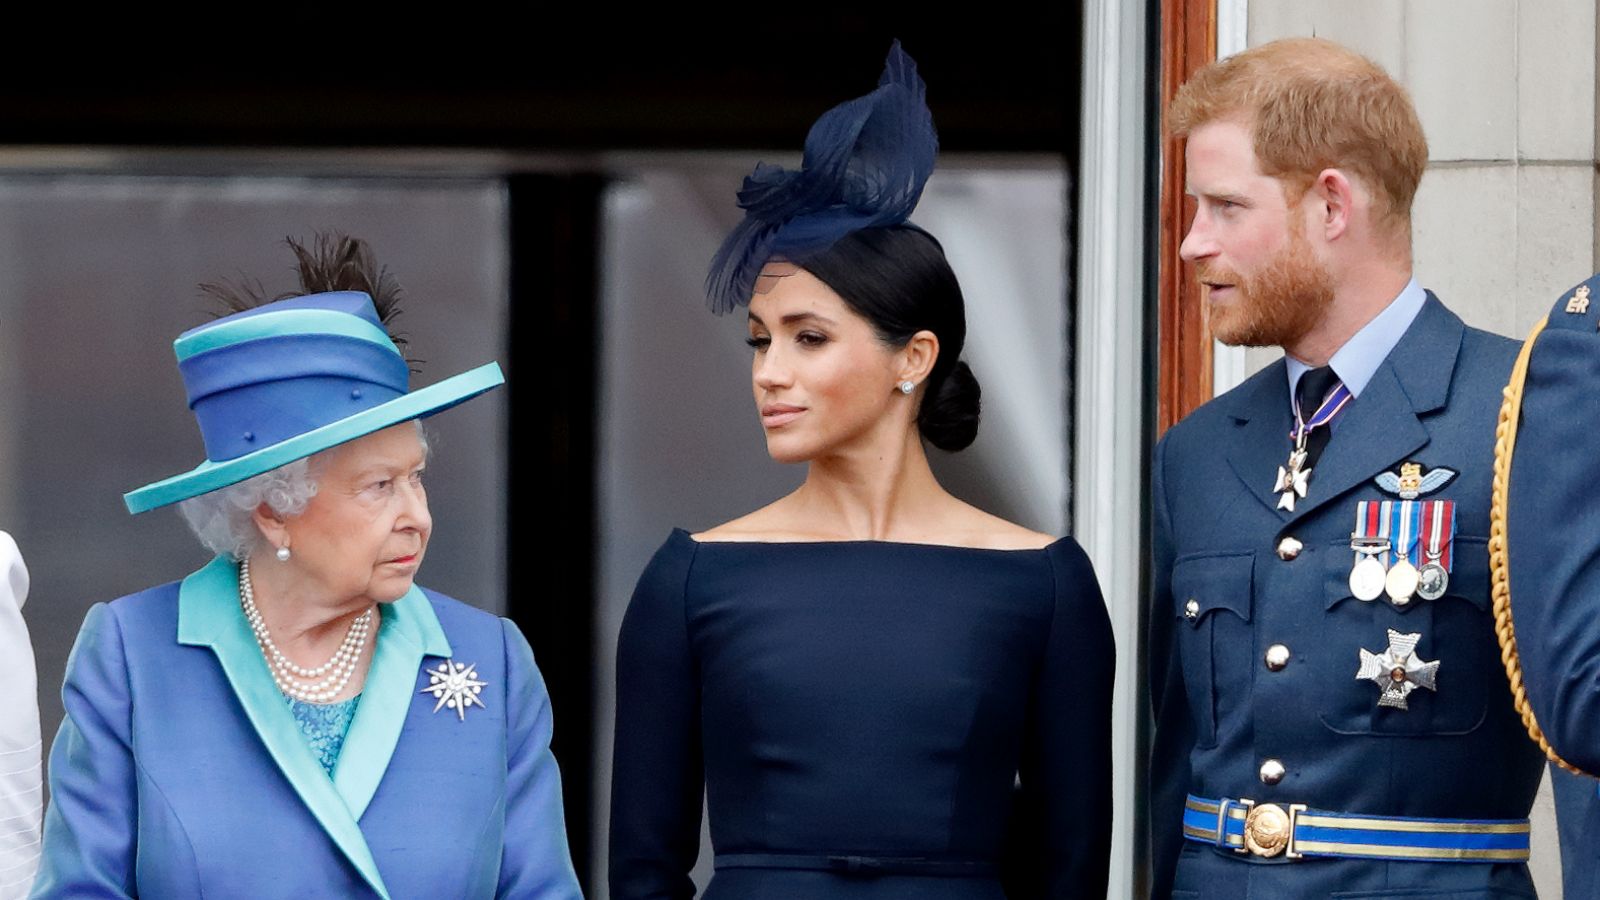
(1275, 306)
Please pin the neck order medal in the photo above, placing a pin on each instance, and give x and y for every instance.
(1294, 477)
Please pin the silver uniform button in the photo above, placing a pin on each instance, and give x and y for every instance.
(1191, 610)
(1272, 772)
(1277, 657)
(1289, 548)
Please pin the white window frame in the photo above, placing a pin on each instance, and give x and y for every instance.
(1109, 390)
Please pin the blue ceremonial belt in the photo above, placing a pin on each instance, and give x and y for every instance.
(1293, 831)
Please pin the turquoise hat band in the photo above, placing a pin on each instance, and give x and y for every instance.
(280, 323)
(210, 476)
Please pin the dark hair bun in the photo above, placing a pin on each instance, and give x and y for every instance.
(898, 279)
(949, 417)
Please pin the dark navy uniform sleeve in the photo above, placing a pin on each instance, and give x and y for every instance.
(1174, 734)
(657, 778)
(1066, 765)
(1553, 528)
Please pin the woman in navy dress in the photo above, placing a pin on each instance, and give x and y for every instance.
(881, 691)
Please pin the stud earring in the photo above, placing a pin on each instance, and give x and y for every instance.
(283, 554)
(907, 387)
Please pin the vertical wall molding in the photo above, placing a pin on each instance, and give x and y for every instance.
(1229, 366)
(1109, 387)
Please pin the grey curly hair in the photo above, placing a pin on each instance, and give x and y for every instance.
(222, 519)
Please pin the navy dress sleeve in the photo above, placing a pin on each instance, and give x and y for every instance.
(657, 778)
(1066, 761)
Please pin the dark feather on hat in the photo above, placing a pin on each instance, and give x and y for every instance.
(331, 261)
(866, 162)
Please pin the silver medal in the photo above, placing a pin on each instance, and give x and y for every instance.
(1367, 579)
(1366, 576)
(1398, 671)
(1432, 581)
(1292, 479)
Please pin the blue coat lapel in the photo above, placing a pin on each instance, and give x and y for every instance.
(1383, 426)
(409, 631)
(208, 616)
(1261, 413)
(1379, 429)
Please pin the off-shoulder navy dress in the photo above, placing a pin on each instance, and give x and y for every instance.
(867, 720)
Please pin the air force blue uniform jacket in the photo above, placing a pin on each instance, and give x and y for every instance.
(1256, 640)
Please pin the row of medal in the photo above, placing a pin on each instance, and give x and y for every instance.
(1402, 549)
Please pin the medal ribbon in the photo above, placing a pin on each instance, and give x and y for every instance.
(1419, 526)
(1407, 531)
(1437, 513)
(1366, 525)
(1331, 405)
(1385, 522)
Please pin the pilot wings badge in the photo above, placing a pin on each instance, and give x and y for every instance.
(1411, 482)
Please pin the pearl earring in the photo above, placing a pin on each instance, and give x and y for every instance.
(283, 554)
(907, 387)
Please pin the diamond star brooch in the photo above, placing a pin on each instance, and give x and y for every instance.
(455, 685)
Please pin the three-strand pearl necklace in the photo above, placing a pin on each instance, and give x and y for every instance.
(314, 685)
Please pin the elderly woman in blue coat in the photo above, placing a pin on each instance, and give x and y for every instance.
(299, 718)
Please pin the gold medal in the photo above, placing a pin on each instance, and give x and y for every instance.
(1401, 582)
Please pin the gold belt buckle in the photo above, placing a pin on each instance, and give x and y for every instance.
(1269, 829)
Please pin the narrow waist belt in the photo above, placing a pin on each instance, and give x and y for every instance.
(859, 865)
(1292, 830)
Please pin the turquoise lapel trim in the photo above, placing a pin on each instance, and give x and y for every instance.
(209, 616)
(409, 631)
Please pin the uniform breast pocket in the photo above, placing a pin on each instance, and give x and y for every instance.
(1456, 631)
(1212, 596)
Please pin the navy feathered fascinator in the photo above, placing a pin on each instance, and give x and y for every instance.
(865, 163)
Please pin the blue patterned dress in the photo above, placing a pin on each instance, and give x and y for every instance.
(324, 726)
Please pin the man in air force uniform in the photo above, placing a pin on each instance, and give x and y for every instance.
(1547, 579)
(1331, 715)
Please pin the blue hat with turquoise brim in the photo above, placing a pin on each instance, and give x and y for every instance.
(290, 378)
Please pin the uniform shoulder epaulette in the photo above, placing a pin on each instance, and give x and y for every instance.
(1578, 309)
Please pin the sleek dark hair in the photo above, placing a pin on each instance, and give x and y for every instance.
(330, 261)
(898, 279)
